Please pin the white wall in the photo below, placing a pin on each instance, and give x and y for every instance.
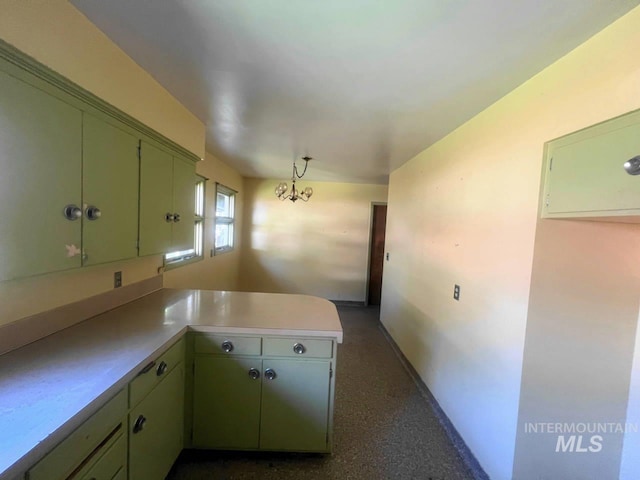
(465, 211)
(315, 248)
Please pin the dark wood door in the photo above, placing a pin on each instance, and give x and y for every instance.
(376, 261)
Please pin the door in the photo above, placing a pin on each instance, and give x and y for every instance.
(110, 184)
(40, 157)
(295, 405)
(156, 200)
(226, 402)
(156, 427)
(376, 260)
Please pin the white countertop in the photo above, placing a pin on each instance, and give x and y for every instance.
(48, 388)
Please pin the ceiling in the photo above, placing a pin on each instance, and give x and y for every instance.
(360, 85)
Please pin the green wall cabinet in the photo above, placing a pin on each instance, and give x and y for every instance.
(156, 429)
(167, 198)
(584, 175)
(70, 176)
(41, 160)
(109, 192)
(270, 398)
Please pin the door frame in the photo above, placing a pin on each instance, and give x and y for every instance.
(366, 286)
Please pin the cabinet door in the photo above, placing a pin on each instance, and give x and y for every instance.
(154, 447)
(184, 191)
(295, 405)
(156, 200)
(585, 171)
(40, 160)
(110, 183)
(226, 406)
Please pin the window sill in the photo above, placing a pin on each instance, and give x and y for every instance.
(180, 263)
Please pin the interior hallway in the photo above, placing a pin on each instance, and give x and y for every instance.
(384, 427)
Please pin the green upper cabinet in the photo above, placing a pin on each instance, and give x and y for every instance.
(110, 192)
(40, 157)
(584, 173)
(167, 201)
(184, 194)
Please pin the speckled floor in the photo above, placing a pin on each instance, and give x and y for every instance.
(383, 426)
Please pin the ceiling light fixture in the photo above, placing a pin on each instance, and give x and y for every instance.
(295, 194)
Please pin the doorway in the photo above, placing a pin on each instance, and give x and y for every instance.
(376, 253)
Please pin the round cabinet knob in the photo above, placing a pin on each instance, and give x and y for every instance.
(72, 212)
(270, 374)
(299, 348)
(93, 213)
(254, 374)
(161, 369)
(227, 346)
(176, 217)
(168, 217)
(139, 424)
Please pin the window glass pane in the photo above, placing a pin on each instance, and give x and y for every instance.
(223, 205)
(225, 217)
(224, 235)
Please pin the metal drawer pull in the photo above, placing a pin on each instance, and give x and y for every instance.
(150, 365)
(72, 212)
(168, 217)
(176, 217)
(227, 346)
(93, 213)
(270, 374)
(138, 426)
(299, 348)
(254, 374)
(161, 368)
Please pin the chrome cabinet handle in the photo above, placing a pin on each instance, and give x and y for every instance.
(161, 368)
(168, 217)
(254, 374)
(148, 367)
(138, 426)
(93, 213)
(299, 348)
(227, 346)
(270, 374)
(176, 217)
(72, 212)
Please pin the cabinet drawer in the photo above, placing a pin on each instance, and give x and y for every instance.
(304, 347)
(80, 445)
(234, 345)
(155, 372)
(110, 464)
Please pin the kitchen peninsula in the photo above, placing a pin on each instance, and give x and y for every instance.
(93, 385)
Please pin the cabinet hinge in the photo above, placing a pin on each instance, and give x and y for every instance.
(139, 149)
(331, 373)
(551, 164)
(547, 200)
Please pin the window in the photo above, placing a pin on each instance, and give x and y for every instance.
(196, 253)
(225, 217)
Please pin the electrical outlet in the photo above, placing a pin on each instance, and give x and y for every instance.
(456, 292)
(117, 279)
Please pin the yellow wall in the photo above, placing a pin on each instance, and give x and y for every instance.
(219, 272)
(465, 211)
(316, 248)
(56, 34)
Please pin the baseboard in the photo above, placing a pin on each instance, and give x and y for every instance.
(455, 438)
(347, 303)
(29, 329)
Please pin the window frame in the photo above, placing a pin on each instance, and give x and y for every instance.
(196, 253)
(222, 220)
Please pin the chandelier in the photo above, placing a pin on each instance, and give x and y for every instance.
(295, 194)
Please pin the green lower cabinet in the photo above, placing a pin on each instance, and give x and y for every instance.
(156, 429)
(226, 402)
(261, 404)
(295, 405)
